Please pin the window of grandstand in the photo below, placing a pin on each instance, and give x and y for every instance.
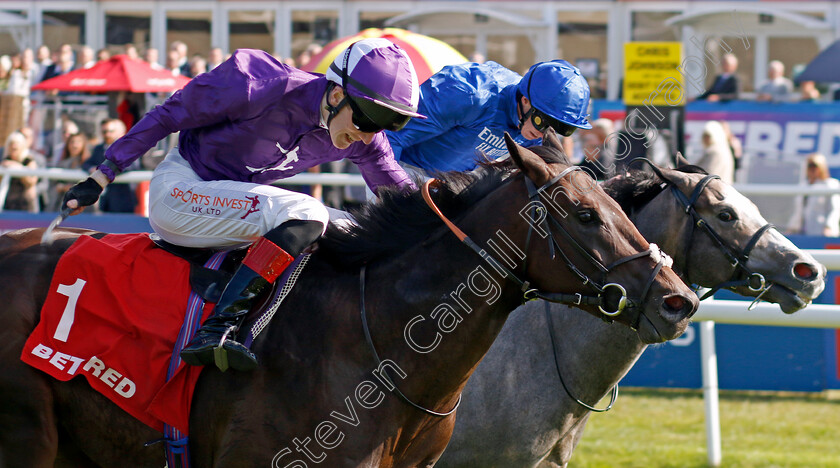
(513, 51)
(582, 40)
(14, 31)
(190, 27)
(312, 26)
(649, 26)
(64, 27)
(127, 27)
(375, 19)
(251, 30)
(792, 51)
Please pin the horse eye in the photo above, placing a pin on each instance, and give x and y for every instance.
(586, 216)
(726, 216)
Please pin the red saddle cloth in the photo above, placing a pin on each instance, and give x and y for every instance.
(113, 314)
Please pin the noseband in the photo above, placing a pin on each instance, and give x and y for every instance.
(542, 217)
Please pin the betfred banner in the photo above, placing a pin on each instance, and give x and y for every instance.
(778, 130)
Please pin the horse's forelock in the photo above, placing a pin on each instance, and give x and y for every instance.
(634, 189)
(551, 155)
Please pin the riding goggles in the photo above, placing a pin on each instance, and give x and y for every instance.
(369, 117)
(542, 121)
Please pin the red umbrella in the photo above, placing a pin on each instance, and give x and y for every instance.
(119, 73)
(427, 54)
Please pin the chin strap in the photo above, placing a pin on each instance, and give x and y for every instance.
(333, 110)
(523, 116)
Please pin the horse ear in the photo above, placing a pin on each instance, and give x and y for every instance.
(551, 140)
(680, 160)
(526, 160)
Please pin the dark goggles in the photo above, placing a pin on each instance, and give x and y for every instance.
(369, 117)
(542, 121)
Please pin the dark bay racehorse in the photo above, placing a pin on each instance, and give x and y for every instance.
(420, 315)
(516, 412)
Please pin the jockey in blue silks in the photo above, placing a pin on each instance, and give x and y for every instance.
(470, 107)
(247, 123)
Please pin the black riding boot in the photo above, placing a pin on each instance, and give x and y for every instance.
(264, 262)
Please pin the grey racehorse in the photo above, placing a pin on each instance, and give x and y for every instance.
(515, 412)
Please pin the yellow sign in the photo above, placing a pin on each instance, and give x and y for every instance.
(651, 74)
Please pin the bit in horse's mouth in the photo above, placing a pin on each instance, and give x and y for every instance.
(789, 300)
(647, 331)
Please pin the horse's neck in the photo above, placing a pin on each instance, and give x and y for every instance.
(440, 306)
(444, 292)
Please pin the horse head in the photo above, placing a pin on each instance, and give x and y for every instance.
(575, 229)
(728, 243)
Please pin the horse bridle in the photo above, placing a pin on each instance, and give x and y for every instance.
(741, 274)
(541, 216)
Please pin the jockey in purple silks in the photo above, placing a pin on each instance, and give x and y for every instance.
(249, 122)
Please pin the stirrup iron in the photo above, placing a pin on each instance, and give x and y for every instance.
(220, 353)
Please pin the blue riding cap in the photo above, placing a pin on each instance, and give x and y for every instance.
(557, 88)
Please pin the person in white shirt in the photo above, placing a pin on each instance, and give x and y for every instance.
(717, 156)
(777, 87)
(87, 58)
(215, 58)
(152, 57)
(22, 78)
(817, 215)
(43, 59)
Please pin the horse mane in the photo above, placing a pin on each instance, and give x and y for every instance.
(401, 219)
(637, 187)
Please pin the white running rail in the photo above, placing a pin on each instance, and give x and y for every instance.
(735, 312)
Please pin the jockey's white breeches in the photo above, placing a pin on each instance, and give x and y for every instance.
(186, 210)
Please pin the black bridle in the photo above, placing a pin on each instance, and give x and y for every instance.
(741, 275)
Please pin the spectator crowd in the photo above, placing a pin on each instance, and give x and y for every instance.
(27, 145)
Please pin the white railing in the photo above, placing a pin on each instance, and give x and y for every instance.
(6, 175)
(735, 312)
(783, 189)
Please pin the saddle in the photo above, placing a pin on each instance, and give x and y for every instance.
(207, 283)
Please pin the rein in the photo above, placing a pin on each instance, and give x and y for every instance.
(540, 215)
(551, 334)
(379, 361)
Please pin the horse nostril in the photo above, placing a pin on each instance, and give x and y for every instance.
(675, 303)
(804, 271)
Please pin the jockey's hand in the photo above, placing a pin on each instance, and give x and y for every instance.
(85, 193)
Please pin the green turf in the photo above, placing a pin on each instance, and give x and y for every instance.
(665, 428)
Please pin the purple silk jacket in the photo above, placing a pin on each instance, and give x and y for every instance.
(253, 119)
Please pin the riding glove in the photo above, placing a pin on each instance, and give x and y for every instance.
(85, 193)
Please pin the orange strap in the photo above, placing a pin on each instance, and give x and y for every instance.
(428, 198)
